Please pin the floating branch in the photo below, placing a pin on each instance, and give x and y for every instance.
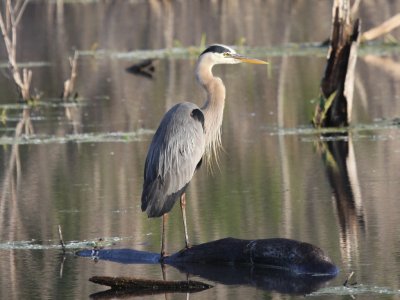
(8, 25)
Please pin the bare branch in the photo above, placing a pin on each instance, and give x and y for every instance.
(382, 29)
(4, 30)
(8, 27)
(355, 8)
(18, 5)
(27, 78)
(8, 18)
(21, 11)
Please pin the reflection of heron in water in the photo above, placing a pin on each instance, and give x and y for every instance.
(185, 134)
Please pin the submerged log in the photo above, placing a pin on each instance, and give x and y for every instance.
(137, 286)
(336, 99)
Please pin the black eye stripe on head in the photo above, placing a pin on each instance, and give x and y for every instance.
(216, 49)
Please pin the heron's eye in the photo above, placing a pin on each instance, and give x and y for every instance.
(226, 54)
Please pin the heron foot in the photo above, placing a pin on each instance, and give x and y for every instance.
(163, 255)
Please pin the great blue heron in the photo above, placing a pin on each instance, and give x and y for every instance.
(185, 134)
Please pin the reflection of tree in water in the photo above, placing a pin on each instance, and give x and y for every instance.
(16, 210)
(9, 207)
(13, 173)
(338, 156)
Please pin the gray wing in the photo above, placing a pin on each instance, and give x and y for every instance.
(174, 154)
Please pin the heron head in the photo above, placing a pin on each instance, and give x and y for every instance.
(221, 54)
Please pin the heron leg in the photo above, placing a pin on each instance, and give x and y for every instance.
(183, 208)
(163, 240)
(164, 271)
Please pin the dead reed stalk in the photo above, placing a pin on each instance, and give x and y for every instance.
(69, 84)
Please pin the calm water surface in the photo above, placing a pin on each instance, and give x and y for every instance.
(82, 168)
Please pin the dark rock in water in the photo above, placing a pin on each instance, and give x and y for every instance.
(298, 257)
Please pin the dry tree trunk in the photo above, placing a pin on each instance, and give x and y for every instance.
(8, 25)
(337, 85)
(336, 99)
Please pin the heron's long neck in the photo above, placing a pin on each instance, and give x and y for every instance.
(213, 109)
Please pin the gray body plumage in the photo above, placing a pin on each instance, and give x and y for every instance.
(174, 154)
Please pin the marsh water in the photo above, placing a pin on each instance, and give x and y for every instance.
(82, 166)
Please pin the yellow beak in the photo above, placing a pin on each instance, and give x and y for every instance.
(249, 60)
